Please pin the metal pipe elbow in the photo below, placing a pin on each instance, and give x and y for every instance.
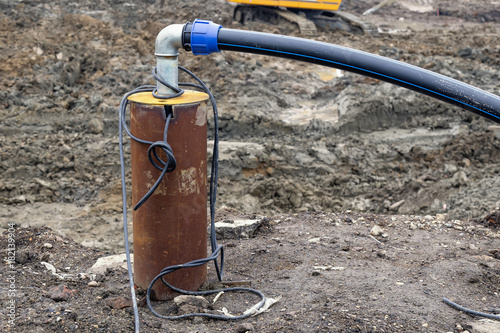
(169, 40)
(167, 45)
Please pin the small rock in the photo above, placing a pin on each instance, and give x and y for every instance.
(413, 226)
(18, 199)
(72, 316)
(244, 328)
(484, 326)
(195, 320)
(38, 50)
(314, 240)
(22, 256)
(49, 267)
(47, 246)
(114, 261)
(199, 301)
(118, 302)
(376, 231)
(61, 293)
(237, 229)
(71, 73)
(459, 179)
(191, 304)
(396, 205)
(442, 217)
(96, 126)
(93, 284)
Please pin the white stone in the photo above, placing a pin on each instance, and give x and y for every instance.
(314, 240)
(376, 231)
(441, 217)
(114, 261)
(237, 228)
(485, 326)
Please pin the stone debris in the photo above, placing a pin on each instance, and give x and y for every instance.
(315, 240)
(441, 217)
(237, 229)
(376, 231)
(192, 304)
(61, 293)
(118, 302)
(329, 268)
(244, 328)
(484, 326)
(49, 267)
(112, 262)
(255, 310)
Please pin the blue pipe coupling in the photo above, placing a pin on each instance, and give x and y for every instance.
(201, 37)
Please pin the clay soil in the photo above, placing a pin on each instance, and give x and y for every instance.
(320, 156)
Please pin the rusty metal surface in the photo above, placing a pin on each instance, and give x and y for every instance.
(171, 227)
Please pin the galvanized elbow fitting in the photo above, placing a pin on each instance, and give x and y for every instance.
(167, 45)
(200, 37)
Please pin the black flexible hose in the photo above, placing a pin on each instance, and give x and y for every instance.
(471, 312)
(412, 77)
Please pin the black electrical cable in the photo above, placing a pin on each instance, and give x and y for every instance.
(165, 167)
(385, 69)
(469, 311)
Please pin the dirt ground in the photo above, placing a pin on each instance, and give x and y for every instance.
(325, 155)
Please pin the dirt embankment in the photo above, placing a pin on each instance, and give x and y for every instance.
(317, 139)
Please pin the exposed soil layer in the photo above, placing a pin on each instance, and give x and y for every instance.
(300, 144)
(328, 271)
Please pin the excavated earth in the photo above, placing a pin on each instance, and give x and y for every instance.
(375, 201)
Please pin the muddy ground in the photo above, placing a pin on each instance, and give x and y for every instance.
(300, 144)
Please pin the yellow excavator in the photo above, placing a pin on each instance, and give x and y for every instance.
(307, 15)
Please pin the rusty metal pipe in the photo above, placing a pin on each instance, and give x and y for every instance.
(171, 227)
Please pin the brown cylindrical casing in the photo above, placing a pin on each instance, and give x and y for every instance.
(171, 227)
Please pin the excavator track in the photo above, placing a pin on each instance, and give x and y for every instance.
(354, 20)
(244, 13)
(307, 21)
(340, 20)
(306, 27)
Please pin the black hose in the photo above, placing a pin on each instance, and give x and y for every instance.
(385, 69)
(471, 312)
